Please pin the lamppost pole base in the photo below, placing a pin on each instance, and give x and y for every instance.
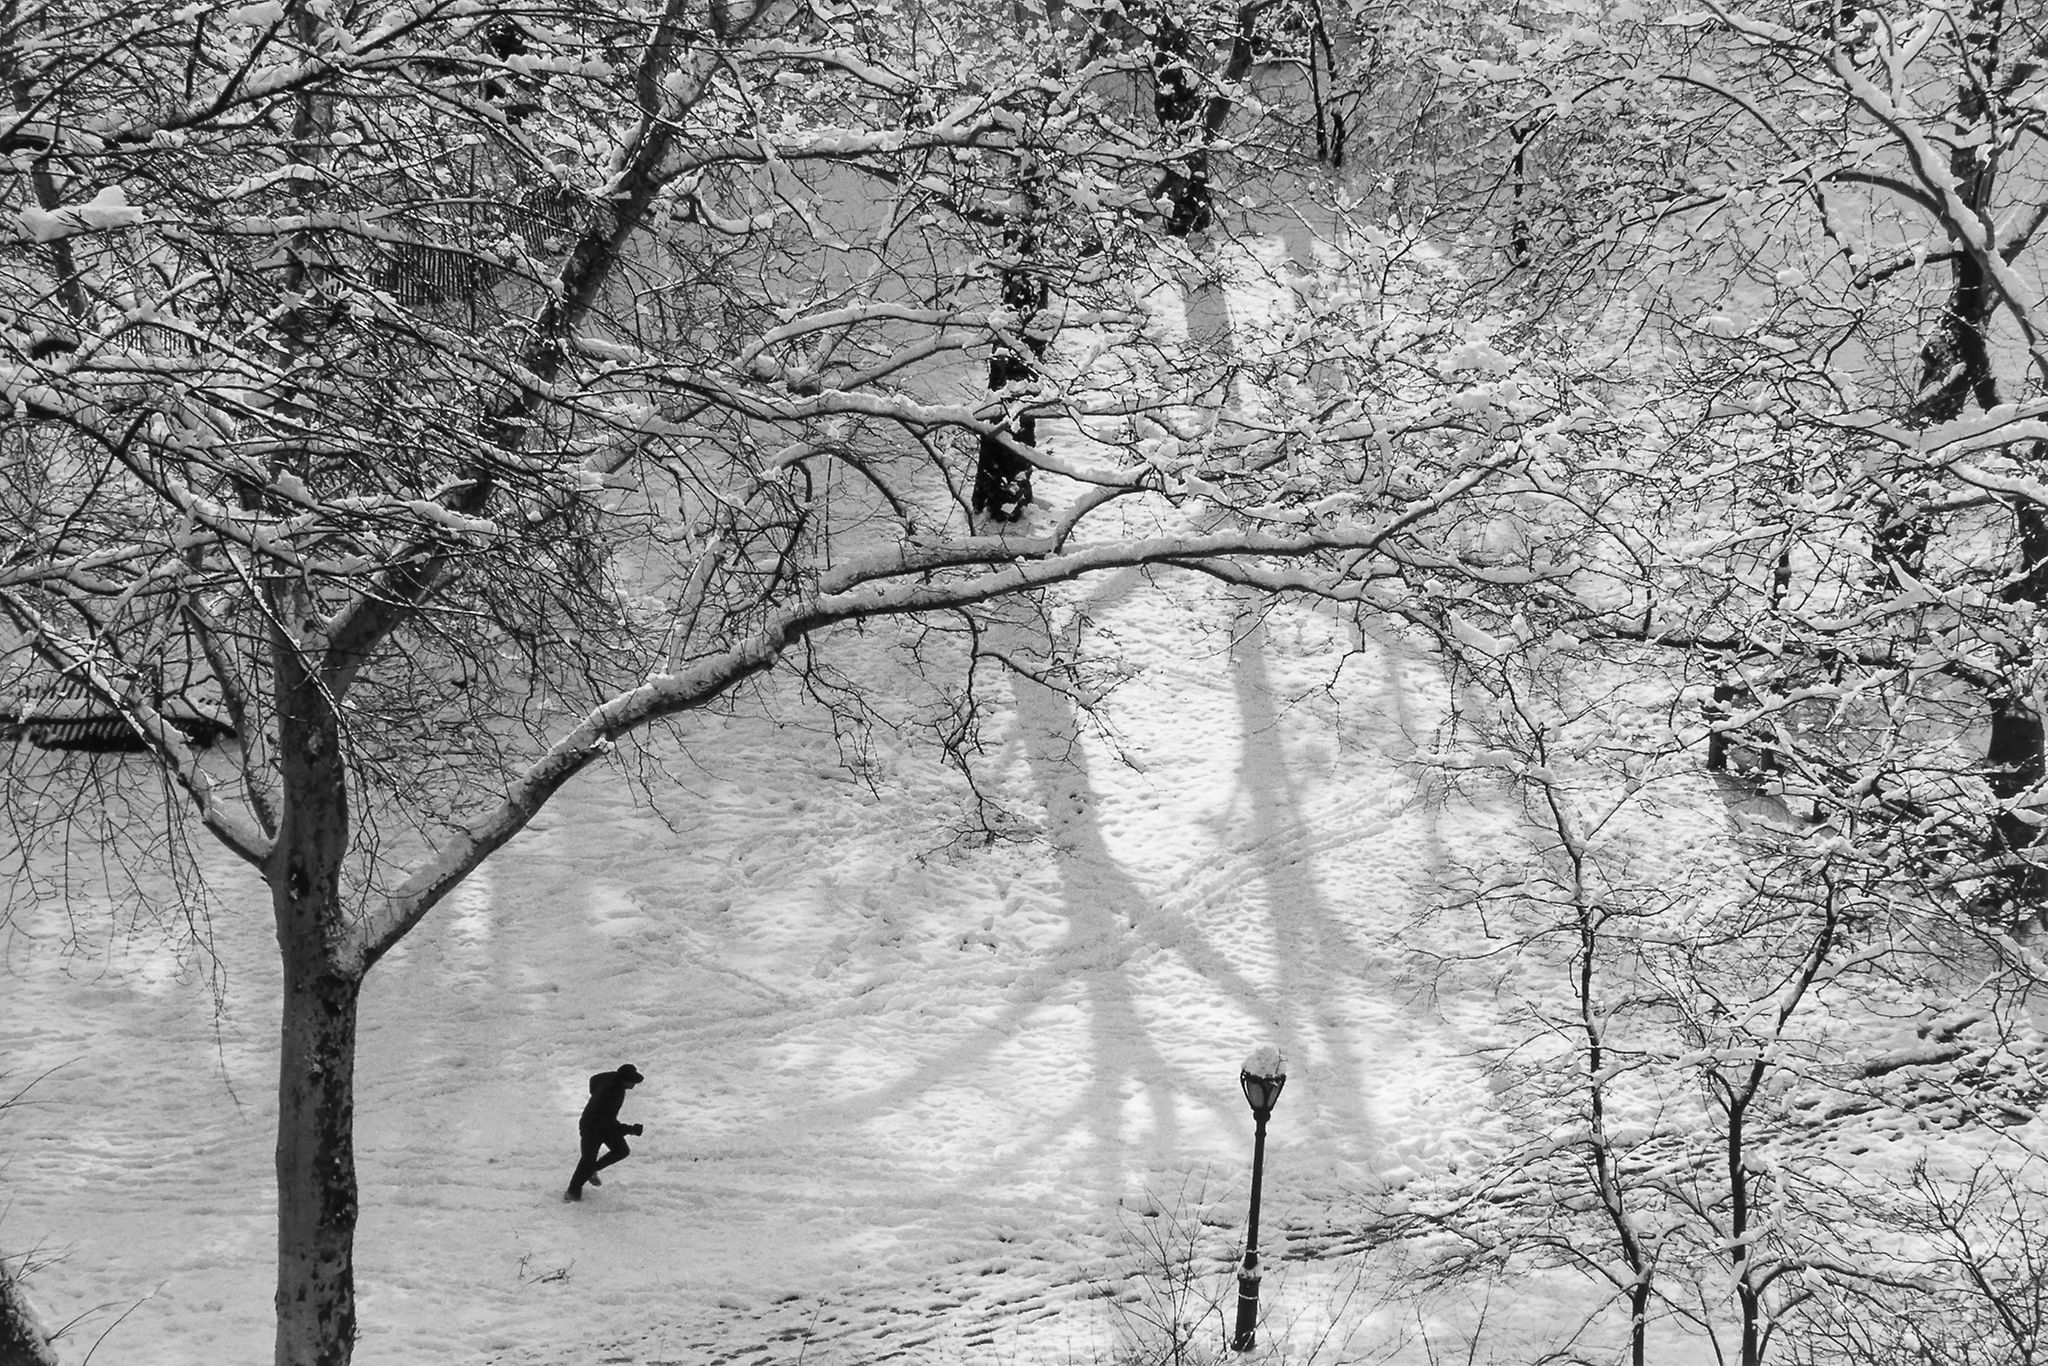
(1246, 1334)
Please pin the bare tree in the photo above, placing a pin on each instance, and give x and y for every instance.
(411, 405)
(1717, 1048)
(1966, 1247)
(1812, 233)
(1783, 263)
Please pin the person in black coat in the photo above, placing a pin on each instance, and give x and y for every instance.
(600, 1127)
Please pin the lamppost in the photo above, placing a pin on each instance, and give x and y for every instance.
(1264, 1073)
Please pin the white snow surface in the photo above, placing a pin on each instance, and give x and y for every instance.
(902, 1099)
(909, 1096)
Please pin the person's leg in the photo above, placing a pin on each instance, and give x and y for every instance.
(586, 1166)
(617, 1152)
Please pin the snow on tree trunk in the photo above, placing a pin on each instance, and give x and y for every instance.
(23, 1339)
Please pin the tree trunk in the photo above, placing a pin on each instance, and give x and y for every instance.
(1002, 479)
(23, 1339)
(2014, 753)
(316, 1168)
(323, 975)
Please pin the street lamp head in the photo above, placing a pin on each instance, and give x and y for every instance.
(1264, 1073)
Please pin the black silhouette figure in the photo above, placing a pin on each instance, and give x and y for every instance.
(600, 1127)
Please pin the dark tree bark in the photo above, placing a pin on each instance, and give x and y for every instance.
(1178, 104)
(316, 1171)
(2014, 753)
(323, 975)
(22, 1342)
(1002, 478)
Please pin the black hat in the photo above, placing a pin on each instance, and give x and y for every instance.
(630, 1075)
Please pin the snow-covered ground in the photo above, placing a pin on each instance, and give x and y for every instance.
(906, 1097)
(910, 1096)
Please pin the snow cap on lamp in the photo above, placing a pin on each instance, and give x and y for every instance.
(1263, 1074)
